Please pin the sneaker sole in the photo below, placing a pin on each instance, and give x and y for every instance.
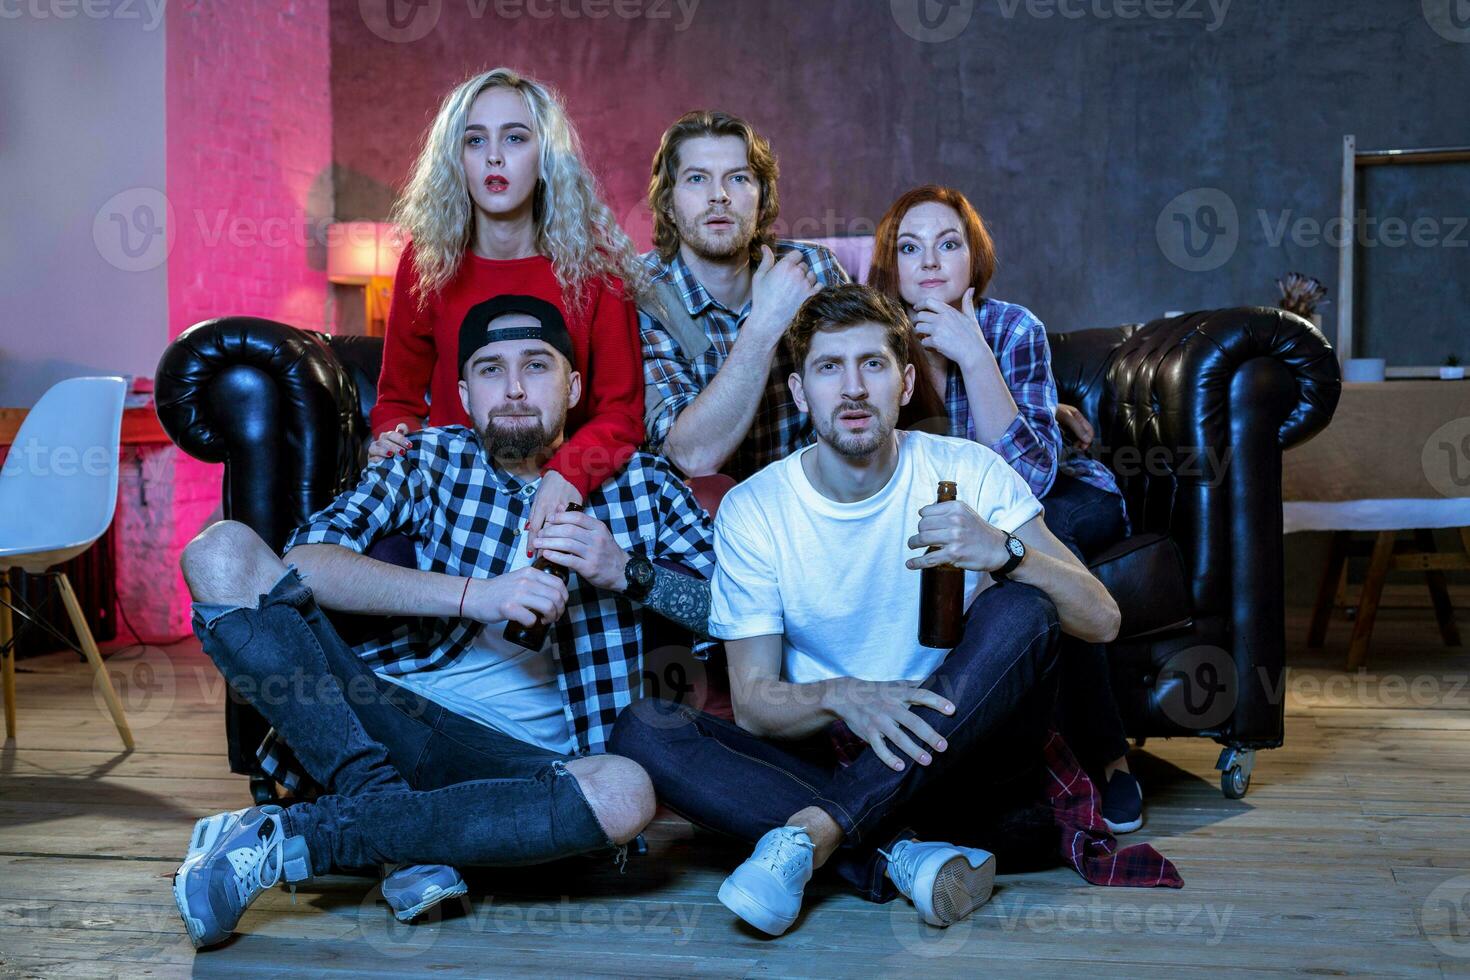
(206, 832)
(737, 900)
(430, 900)
(1124, 828)
(960, 889)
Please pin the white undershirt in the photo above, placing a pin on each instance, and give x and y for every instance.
(501, 685)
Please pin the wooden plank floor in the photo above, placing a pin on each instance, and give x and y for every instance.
(1350, 855)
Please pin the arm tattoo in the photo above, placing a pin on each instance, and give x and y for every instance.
(680, 598)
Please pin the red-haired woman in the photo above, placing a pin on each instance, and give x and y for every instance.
(989, 362)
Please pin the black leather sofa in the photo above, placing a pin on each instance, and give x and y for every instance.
(1192, 413)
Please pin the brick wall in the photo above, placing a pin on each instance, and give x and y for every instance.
(249, 152)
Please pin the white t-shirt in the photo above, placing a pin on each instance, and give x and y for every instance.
(499, 684)
(830, 577)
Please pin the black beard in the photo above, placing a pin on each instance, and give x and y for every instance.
(515, 442)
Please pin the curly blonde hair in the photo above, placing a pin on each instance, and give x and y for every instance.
(574, 227)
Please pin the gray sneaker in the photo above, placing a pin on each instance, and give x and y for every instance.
(232, 858)
(945, 882)
(766, 889)
(412, 889)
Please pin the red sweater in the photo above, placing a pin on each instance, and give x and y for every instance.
(422, 346)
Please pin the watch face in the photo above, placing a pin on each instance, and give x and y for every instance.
(640, 571)
(1015, 547)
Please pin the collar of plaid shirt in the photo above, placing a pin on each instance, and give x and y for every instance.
(463, 514)
(696, 298)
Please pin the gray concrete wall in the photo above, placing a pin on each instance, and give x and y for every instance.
(1080, 132)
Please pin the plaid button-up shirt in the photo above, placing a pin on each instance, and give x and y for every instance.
(1033, 443)
(463, 515)
(778, 427)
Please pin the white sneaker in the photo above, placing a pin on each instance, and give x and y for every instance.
(766, 889)
(945, 882)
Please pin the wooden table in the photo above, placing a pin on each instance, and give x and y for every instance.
(1392, 463)
(140, 426)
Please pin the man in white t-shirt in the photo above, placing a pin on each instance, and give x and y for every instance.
(847, 730)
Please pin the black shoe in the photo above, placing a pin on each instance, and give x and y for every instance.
(1122, 803)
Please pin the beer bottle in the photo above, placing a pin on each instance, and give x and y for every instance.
(534, 637)
(941, 596)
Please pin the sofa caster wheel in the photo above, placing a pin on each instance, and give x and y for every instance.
(1234, 783)
(1235, 765)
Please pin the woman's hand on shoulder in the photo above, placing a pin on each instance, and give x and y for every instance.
(393, 442)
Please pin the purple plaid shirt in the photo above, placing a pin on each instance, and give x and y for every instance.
(1033, 443)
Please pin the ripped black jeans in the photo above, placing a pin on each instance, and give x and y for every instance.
(408, 780)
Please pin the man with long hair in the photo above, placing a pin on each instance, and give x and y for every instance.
(722, 292)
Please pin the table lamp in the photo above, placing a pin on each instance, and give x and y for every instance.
(365, 253)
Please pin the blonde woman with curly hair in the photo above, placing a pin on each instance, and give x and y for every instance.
(499, 202)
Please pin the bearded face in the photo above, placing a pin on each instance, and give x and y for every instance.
(717, 197)
(517, 394)
(856, 429)
(717, 233)
(515, 433)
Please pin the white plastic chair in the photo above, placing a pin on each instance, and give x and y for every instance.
(58, 491)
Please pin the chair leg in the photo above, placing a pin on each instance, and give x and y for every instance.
(7, 655)
(89, 647)
(1327, 589)
(1439, 593)
(1368, 605)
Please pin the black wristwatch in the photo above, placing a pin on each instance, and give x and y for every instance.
(1017, 551)
(639, 572)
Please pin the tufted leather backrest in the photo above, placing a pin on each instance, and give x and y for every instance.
(1080, 361)
(363, 359)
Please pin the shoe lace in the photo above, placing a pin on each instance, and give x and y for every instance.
(259, 867)
(789, 850)
(901, 871)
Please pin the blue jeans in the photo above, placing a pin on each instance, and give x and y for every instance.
(1087, 520)
(1000, 680)
(408, 780)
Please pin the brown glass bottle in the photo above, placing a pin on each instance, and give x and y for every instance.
(941, 596)
(534, 637)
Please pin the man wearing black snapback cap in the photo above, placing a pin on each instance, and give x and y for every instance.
(441, 743)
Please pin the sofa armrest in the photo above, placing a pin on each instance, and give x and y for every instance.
(1205, 405)
(271, 402)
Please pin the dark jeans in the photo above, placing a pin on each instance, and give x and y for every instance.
(1000, 680)
(1087, 520)
(409, 780)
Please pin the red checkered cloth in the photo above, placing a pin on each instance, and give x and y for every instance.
(1084, 840)
(1086, 843)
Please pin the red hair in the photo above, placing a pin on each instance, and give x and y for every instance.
(883, 273)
